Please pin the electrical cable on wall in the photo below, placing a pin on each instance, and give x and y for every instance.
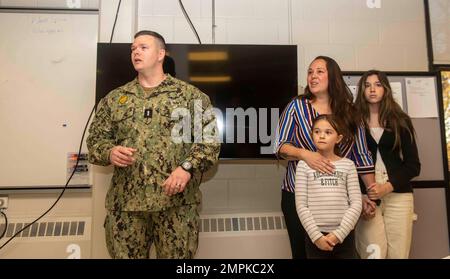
(115, 20)
(64, 189)
(213, 22)
(74, 169)
(189, 21)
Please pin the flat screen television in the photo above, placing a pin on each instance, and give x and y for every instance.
(249, 84)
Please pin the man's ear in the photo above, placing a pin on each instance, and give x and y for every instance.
(161, 55)
(340, 137)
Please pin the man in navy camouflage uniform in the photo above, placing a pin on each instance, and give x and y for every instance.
(154, 194)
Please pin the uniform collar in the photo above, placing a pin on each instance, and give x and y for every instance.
(166, 86)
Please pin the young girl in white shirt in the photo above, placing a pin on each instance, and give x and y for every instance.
(328, 205)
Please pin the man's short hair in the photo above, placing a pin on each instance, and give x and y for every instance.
(157, 36)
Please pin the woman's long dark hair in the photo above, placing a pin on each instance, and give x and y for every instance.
(391, 115)
(341, 99)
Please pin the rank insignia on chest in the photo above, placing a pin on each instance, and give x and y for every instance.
(148, 113)
(123, 100)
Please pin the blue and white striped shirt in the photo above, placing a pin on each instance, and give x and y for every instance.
(295, 127)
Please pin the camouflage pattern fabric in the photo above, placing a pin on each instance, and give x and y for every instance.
(129, 235)
(139, 212)
(120, 120)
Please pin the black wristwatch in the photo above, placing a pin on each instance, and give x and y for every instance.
(187, 166)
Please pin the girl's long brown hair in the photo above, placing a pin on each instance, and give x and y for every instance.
(391, 115)
(341, 99)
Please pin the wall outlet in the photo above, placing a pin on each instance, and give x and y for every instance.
(3, 202)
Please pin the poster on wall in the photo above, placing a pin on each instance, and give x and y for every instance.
(421, 97)
(397, 93)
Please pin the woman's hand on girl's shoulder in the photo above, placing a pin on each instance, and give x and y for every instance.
(317, 162)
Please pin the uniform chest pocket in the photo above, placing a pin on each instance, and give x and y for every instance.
(167, 116)
(124, 123)
(162, 120)
(122, 114)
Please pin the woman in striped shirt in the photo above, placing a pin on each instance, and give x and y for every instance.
(326, 93)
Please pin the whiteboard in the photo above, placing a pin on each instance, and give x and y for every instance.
(47, 87)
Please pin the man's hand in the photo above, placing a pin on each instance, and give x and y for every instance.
(324, 244)
(369, 207)
(122, 156)
(177, 181)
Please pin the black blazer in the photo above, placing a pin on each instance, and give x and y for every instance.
(400, 169)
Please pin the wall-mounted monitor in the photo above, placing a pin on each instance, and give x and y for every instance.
(249, 85)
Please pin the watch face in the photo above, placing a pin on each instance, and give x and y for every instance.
(187, 165)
